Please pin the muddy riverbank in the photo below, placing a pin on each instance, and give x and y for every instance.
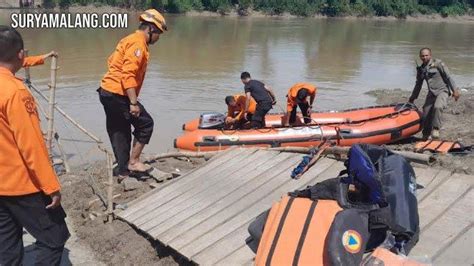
(457, 124)
(119, 243)
(116, 243)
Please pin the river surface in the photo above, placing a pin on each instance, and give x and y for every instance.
(199, 61)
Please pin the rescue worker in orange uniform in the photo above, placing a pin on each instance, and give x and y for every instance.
(30, 195)
(36, 60)
(236, 110)
(302, 95)
(120, 88)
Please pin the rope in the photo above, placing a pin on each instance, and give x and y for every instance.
(405, 109)
(74, 143)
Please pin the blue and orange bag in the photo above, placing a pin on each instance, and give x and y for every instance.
(336, 221)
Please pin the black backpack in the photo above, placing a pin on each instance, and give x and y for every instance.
(384, 196)
(394, 190)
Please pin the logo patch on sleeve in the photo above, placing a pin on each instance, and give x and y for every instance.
(352, 241)
(138, 53)
(30, 104)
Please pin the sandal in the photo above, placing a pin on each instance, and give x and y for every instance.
(141, 174)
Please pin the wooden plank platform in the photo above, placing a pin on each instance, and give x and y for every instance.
(205, 213)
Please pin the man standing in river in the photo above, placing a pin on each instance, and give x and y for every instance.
(120, 88)
(262, 94)
(440, 87)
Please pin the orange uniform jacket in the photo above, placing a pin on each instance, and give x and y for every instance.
(33, 61)
(127, 65)
(293, 92)
(240, 108)
(24, 163)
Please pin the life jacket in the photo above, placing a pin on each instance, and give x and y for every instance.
(301, 231)
(331, 224)
(382, 256)
(439, 146)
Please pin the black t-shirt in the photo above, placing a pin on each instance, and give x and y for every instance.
(258, 91)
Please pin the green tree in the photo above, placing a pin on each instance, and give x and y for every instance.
(49, 4)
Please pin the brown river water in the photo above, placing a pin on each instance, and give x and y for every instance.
(199, 61)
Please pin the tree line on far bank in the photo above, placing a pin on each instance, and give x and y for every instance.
(366, 8)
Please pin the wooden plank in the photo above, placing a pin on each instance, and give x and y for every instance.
(242, 256)
(136, 202)
(163, 195)
(332, 172)
(439, 179)
(282, 161)
(460, 252)
(425, 176)
(205, 195)
(208, 180)
(253, 208)
(232, 241)
(456, 221)
(442, 198)
(279, 182)
(264, 184)
(224, 247)
(141, 202)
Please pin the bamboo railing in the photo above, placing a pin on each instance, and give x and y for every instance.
(52, 134)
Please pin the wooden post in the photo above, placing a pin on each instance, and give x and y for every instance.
(27, 70)
(51, 103)
(61, 151)
(110, 190)
(43, 112)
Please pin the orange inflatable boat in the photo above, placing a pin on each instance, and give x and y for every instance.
(327, 117)
(376, 125)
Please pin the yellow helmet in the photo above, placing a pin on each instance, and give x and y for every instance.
(155, 17)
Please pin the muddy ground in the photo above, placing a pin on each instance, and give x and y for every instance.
(116, 243)
(458, 125)
(120, 244)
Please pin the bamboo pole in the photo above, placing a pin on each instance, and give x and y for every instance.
(110, 190)
(51, 103)
(44, 113)
(68, 117)
(61, 151)
(56, 137)
(92, 202)
(96, 189)
(27, 69)
(205, 155)
(411, 156)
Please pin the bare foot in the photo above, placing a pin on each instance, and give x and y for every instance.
(138, 166)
